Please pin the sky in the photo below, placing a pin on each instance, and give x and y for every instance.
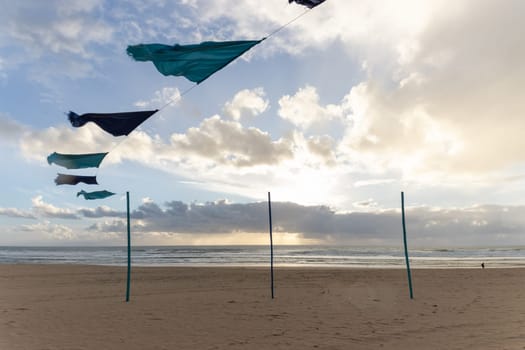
(335, 114)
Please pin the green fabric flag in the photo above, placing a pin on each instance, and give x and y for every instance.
(195, 62)
(76, 161)
(95, 195)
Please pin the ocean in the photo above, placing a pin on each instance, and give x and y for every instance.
(315, 256)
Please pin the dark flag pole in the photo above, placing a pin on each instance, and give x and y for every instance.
(129, 251)
(271, 241)
(405, 243)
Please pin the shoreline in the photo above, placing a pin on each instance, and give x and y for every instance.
(58, 306)
(277, 266)
(234, 256)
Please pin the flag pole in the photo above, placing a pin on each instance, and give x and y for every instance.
(405, 244)
(129, 250)
(271, 242)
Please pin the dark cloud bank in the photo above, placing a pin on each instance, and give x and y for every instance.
(474, 226)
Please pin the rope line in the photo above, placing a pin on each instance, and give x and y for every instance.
(288, 23)
(173, 100)
(179, 97)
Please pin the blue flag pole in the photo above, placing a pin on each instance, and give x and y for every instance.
(128, 283)
(271, 242)
(405, 243)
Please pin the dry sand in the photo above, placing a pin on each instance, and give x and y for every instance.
(50, 307)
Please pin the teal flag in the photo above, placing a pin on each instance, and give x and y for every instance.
(76, 161)
(195, 62)
(95, 195)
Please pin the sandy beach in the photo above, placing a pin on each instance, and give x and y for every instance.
(50, 307)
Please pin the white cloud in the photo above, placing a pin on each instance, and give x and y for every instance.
(41, 209)
(440, 99)
(10, 130)
(215, 141)
(323, 147)
(227, 142)
(38, 144)
(366, 204)
(442, 86)
(457, 108)
(100, 212)
(53, 40)
(303, 109)
(221, 155)
(68, 7)
(16, 213)
(50, 211)
(246, 103)
(50, 231)
(373, 182)
(161, 98)
(191, 3)
(3, 73)
(365, 28)
(110, 226)
(55, 27)
(384, 133)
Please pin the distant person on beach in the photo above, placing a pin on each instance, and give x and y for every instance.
(482, 265)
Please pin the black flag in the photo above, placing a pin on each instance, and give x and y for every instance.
(65, 179)
(117, 124)
(308, 3)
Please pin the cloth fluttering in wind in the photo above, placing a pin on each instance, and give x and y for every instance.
(308, 3)
(195, 62)
(117, 124)
(95, 195)
(65, 179)
(76, 161)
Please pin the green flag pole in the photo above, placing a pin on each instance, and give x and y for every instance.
(129, 251)
(405, 243)
(271, 242)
